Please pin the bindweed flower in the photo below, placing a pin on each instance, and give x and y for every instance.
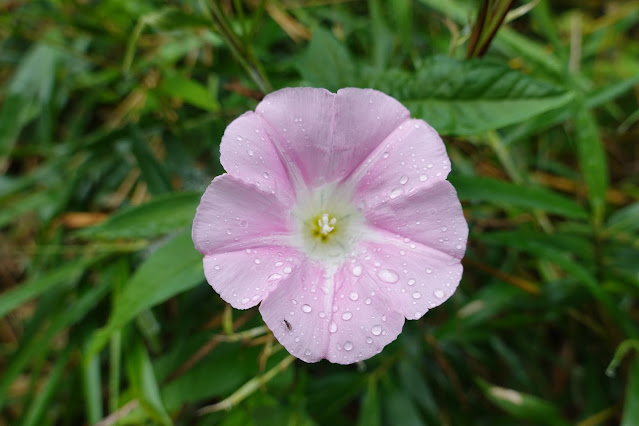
(336, 215)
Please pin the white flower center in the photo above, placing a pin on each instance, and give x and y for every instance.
(328, 224)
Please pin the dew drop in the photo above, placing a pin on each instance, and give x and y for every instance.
(396, 193)
(368, 301)
(245, 300)
(216, 267)
(256, 261)
(347, 315)
(306, 308)
(357, 270)
(458, 246)
(348, 345)
(403, 180)
(287, 269)
(265, 175)
(354, 296)
(429, 271)
(376, 330)
(411, 281)
(333, 327)
(439, 294)
(423, 178)
(417, 295)
(388, 276)
(243, 223)
(307, 352)
(385, 155)
(250, 152)
(369, 340)
(274, 277)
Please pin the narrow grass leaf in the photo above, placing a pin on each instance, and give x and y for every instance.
(369, 411)
(145, 387)
(631, 407)
(474, 188)
(592, 160)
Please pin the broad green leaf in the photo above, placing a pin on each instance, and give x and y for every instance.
(33, 288)
(173, 268)
(523, 406)
(145, 387)
(624, 220)
(327, 62)
(188, 90)
(472, 188)
(592, 160)
(469, 97)
(159, 216)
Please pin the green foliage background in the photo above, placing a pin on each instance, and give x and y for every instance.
(111, 118)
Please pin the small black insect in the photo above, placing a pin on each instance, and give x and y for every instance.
(288, 325)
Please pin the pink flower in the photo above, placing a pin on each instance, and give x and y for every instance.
(336, 215)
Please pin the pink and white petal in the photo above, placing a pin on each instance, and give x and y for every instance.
(243, 278)
(248, 154)
(233, 215)
(299, 122)
(412, 277)
(431, 216)
(411, 158)
(364, 118)
(363, 319)
(295, 311)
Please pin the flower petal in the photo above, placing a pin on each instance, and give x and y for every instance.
(363, 320)
(243, 278)
(412, 277)
(323, 136)
(300, 123)
(364, 118)
(233, 215)
(431, 216)
(248, 154)
(296, 312)
(411, 158)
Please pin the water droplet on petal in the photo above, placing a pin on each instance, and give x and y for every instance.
(385, 155)
(357, 270)
(423, 178)
(245, 300)
(347, 315)
(417, 295)
(265, 175)
(274, 277)
(256, 261)
(439, 294)
(368, 301)
(306, 308)
(354, 296)
(396, 193)
(216, 267)
(307, 352)
(403, 180)
(250, 152)
(287, 269)
(369, 340)
(376, 330)
(388, 276)
(411, 282)
(333, 327)
(429, 271)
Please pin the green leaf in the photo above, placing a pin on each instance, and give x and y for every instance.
(469, 97)
(521, 405)
(624, 220)
(33, 288)
(399, 408)
(190, 91)
(173, 268)
(145, 387)
(153, 172)
(473, 188)
(159, 216)
(631, 408)
(326, 62)
(369, 412)
(592, 160)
